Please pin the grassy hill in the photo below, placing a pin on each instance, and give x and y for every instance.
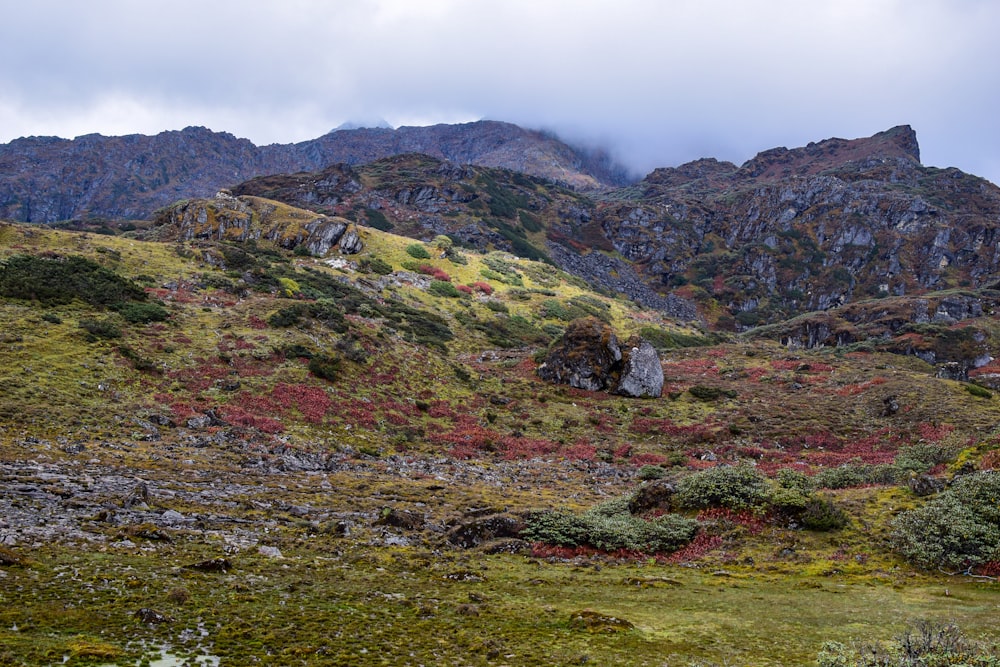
(346, 459)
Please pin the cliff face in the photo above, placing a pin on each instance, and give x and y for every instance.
(809, 228)
(46, 179)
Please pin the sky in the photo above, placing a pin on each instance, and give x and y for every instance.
(655, 82)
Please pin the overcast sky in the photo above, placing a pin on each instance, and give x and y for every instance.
(658, 82)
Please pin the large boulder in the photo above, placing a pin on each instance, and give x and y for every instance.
(642, 372)
(589, 357)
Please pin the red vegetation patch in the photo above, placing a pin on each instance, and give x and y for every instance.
(702, 544)
(512, 447)
(860, 388)
(434, 272)
(690, 367)
(239, 417)
(485, 288)
(465, 289)
(753, 523)
(312, 402)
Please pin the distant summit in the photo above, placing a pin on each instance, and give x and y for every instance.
(372, 124)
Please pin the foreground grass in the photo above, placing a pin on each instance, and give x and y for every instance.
(327, 602)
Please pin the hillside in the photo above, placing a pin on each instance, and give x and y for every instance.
(267, 433)
(48, 179)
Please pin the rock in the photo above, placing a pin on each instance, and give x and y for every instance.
(212, 565)
(592, 621)
(350, 243)
(404, 519)
(925, 485)
(323, 235)
(269, 552)
(890, 406)
(506, 546)
(151, 616)
(139, 497)
(484, 529)
(657, 494)
(9, 558)
(172, 517)
(589, 357)
(642, 373)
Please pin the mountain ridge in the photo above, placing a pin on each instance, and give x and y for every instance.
(48, 179)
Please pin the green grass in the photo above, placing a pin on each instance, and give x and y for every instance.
(327, 604)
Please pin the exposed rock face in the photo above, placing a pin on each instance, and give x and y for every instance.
(590, 357)
(642, 373)
(226, 217)
(804, 229)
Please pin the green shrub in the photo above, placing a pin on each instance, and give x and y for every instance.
(497, 306)
(106, 328)
(650, 472)
(143, 312)
(376, 265)
(736, 487)
(922, 457)
(324, 367)
(417, 251)
(708, 394)
(977, 391)
(857, 474)
(787, 478)
(59, 280)
(958, 528)
(444, 288)
(52, 318)
(377, 219)
(287, 317)
(821, 514)
(610, 527)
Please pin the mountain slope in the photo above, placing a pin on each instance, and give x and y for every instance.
(47, 179)
(807, 229)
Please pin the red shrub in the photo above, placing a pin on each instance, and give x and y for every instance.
(699, 547)
(526, 448)
(465, 289)
(485, 288)
(580, 450)
(312, 402)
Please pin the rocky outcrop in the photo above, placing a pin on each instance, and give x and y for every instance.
(229, 218)
(812, 228)
(589, 357)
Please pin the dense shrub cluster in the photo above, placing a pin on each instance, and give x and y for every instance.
(959, 528)
(59, 280)
(611, 527)
(737, 487)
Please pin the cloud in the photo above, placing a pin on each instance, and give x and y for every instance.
(660, 82)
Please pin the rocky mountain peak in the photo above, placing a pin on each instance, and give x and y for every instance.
(816, 157)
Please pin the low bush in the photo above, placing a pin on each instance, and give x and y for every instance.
(611, 527)
(923, 644)
(143, 312)
(324, 367)
(417, 251)
(857, 474)
(106, 328)
(59, 280)
(444, 288)
(958, 529)
(737, 487)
